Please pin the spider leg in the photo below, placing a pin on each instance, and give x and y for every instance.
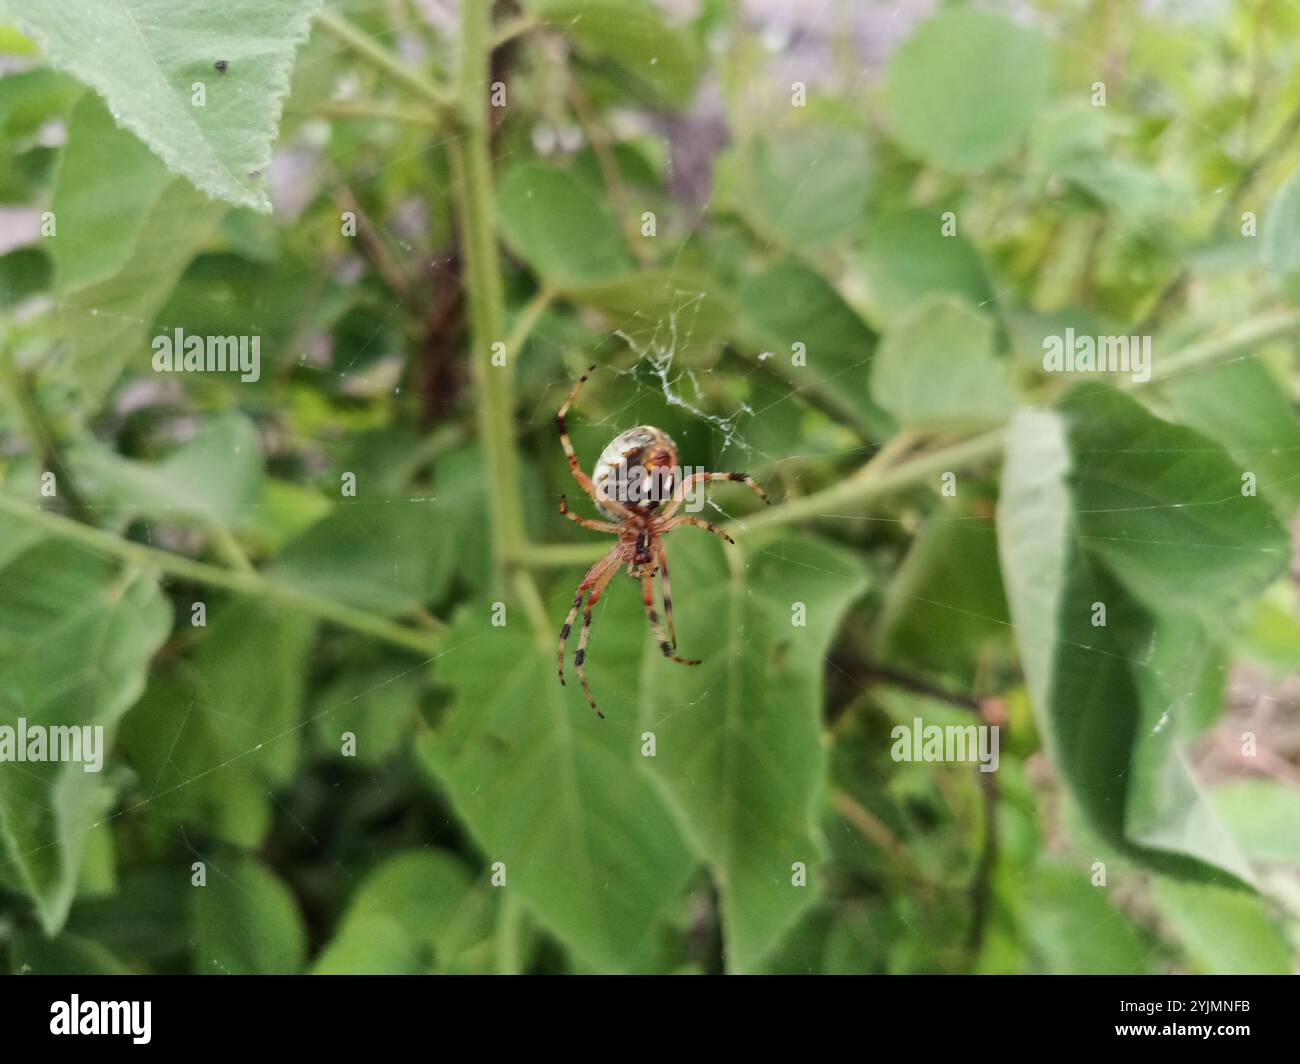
(686, 519)
(586, 522)
(580, 658)
(679, 496)
(648, 598)
(610, 561)
(583, 480)
(662, 558)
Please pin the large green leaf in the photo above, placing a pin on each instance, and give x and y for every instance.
(246, 922)
(209, 481)
(383, 554)
(1164, 506)
(552, 791)
(962, 91)
(1225, 932)
(1241, 406)
(1282, 233)
(125, 230)
(633, 35)
(909, 257)
(789, 303)
(210, 743)
(950, 582)
(146, 56)
(416, 912)
(1077, 929)
(936, 369)
(76, 637)
(559, 226)
(1104, 503)
(739, 745)
(1264, 816)
(805, 189)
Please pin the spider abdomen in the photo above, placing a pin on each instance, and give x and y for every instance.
(638, 468)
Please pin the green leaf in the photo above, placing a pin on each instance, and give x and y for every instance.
(146, 57)
(76, 637)
(664, 313)
(908, 258)
(1164, 506)
(125, 231)
(246, 922)
(1264, 817)
(961, 92)
(738, 738)
(633, 35)
(380, 554)
(558, 225)
(950, 582)
(553, 792)
(1077, 929)
(1282, 233)
(210, 481)
(34, 954)
(936, 370)
(1225, 932)
(414, 913)
(1241, 406)
(1105, 504)
(789, 303)
(210, 743)
(377, 705)
(805, 189)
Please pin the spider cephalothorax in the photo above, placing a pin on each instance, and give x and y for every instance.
(638, 484)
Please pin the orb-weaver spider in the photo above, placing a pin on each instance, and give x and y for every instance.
(639, 525)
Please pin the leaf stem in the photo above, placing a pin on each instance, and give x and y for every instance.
(367, 48)
(473, 190)
(37, 428)
(238, 581)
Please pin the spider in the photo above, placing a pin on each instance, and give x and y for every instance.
(640, 525)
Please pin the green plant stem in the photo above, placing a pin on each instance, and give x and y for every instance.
(473, 189)
(509, 936)
(38, 429)
(1265, 329)
(365, 46)
(514, 27)
(374, 112)
(526, 322)
(870, 483)
(238, 581)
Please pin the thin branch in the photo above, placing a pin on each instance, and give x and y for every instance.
(981, 893)
(38, 430)
(527, 321)
(238, 581)
(367, 48)
(514, 27)
(378, 112)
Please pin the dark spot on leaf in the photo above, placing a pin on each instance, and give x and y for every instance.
(221, 65)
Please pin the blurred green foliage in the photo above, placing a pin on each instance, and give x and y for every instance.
(281, 597)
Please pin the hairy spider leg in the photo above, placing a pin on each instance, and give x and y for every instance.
(586, 522)
(580, 658)
(679, 496)
(611, 562)
(583, 480)
(686, 519)
(662, 557)
(648, 598)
